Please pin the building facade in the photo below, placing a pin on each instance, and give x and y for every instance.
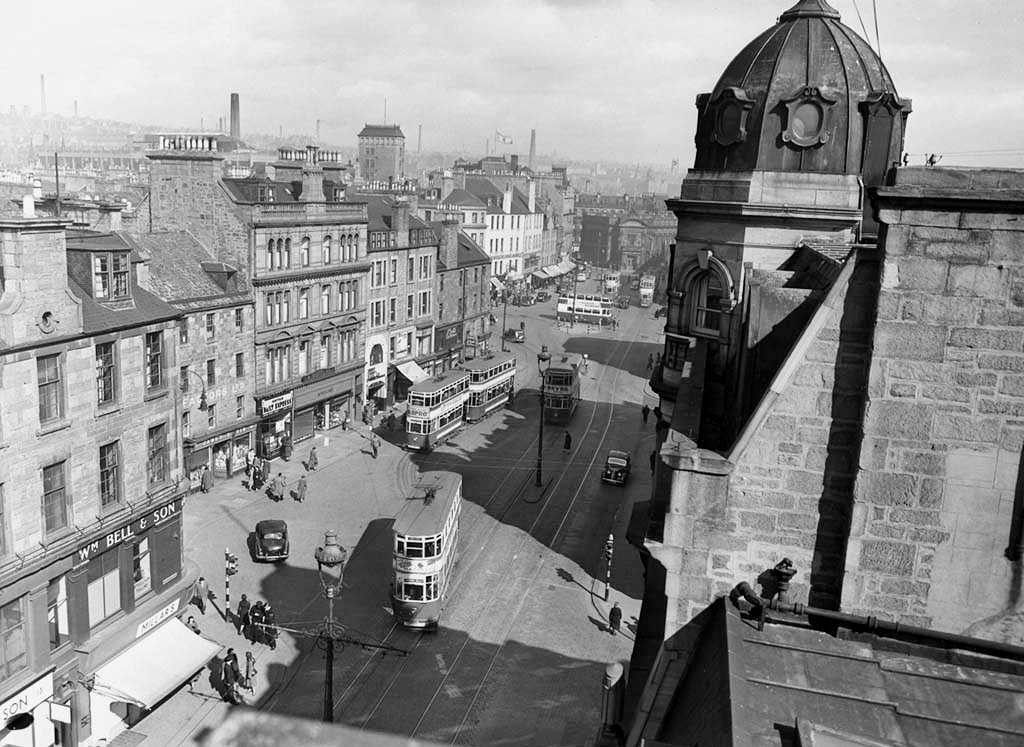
(91, 487)
(381, 153)
(463, 327)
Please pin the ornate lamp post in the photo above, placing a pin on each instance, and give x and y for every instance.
(202, 396)
(330, 562)
(543, 359)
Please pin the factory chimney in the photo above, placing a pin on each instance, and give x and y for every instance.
(236, 125)
(533, 148)
(419, 141)
(42, 93)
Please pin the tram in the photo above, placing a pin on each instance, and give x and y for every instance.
(491, 383)
(585, 309)
(426, 541)
(647, 283)
(562, 387)
(611, 281)
(436, 408)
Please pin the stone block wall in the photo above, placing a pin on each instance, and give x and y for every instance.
(944, 425)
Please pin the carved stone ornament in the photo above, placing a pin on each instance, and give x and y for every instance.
(808, 118)
(729, 111)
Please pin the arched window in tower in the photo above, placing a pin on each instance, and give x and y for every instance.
(328, 247)
(376, 354)
(707, 294)
(287, 253)
(304, 252)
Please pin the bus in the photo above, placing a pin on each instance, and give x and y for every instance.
(584, 308)
(647, 283)
(436, 409)
(491, 383)
(425, 550)
(561, 386)
(611, 281)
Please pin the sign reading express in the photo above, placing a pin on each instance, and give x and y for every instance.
(141, 524)
(269, 405)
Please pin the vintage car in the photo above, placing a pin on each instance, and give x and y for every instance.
(543, 295)
(515, 335)
(271, 540)
(661, 311)
(616, 467)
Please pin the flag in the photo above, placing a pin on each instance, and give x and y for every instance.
(502, 139)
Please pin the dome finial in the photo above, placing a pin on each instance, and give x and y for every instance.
(809, 9)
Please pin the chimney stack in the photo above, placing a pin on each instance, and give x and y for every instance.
(236, 125)
(312, 176)
(450, 244)
(533, 148)
(400, 220)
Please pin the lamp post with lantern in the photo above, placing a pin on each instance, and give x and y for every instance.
(543, 360)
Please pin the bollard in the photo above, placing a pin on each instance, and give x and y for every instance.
(612, 697)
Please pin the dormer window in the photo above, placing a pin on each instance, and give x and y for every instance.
(110, 276)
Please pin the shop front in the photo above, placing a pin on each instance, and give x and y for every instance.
(448, 348)
(376, 389)
(275, 421)
(409, 373)
(30, 716)
(223, 450)
(325, 399)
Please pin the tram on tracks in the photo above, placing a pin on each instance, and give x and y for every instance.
(436, 408)
(562, 387)
(586, 309)
(491, 383)
(426, 543)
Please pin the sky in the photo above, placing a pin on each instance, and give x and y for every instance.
(599, 80)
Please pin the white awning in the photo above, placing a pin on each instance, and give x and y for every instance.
(153, 666)
(412, 371)
(497, 284)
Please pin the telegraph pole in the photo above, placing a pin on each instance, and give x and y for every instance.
(609, 549)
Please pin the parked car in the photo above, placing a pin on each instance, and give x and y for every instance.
(661, 311)
(515, 335)
(271, 540)
(543, 295)
(623, 302)
(616, 467)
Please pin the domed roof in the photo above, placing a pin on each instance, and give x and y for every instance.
(797, 98)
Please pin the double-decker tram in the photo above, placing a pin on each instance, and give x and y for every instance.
(585, 309)
(426, 543)
(491, 380)
(562, 387)
(436, 408)
(611, 281)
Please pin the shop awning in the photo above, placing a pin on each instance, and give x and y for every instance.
(149, 669)
(566, 265)
(540, 275)
(412, 371)
(497, 284)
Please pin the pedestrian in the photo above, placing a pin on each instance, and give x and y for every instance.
(650, 361)
(264, 471)
(300, 489)
(250, 461)
(614, 618)
(269, 631)
(242, 617)
(278, 487)
(657, 360)
(206, 481)
(256, 617)
(567, 445)
(312, 461)
(391, 421)
(374, 446)
(201, 594)
(645, 411)
(250, 672)
(286, 447)
(230, 674)
(657, 414)
(193, 625)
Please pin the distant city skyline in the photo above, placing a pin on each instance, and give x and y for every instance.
(597, 79)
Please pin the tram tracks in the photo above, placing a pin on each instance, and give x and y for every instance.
(498, 512)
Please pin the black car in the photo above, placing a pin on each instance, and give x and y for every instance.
(271, 540)
(616, 467)
(515, 335)
(661, 311)
(543, 295)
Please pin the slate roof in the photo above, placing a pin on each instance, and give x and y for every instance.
(462, 198)
(177, 267)
(470, 253)
(370, 130)
(145, 308)
(377, 207)
(484, 188)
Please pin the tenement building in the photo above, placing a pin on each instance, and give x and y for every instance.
(91, 570)
(463, 324)
(381, 153)
(302, 249)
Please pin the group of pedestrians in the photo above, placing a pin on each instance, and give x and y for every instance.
(256, 621)
(257, 470)
(234, 679)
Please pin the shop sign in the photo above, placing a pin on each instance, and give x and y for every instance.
(153, 620)
(27, 699)
(375, 372)
(141, 524)
(268, 405)
(418, 411)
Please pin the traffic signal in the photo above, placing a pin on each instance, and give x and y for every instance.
(609, 546)
(230, 563)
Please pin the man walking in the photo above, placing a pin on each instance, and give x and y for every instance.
(650, 361)
(614, 618)
(206, 481)
(278, 487)
(242, 617)
(300, 489)
(312, 461)
(374, 445)
(645, 411)
(231, 675)
(567, 444)
(202, 593)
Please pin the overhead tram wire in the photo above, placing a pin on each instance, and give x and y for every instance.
(862, 26)
(878, 39)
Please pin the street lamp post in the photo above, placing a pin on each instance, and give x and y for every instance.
(504, 321)
(330, 562)
(543, 359)
(202, 396)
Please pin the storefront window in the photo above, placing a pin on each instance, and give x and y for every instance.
(13, 646)
(57, 612)
(140, 568)
(104, 588)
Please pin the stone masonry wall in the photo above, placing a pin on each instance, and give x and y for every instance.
(945, 420)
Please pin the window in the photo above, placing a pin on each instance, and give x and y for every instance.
(278, 366)
(303, 303)
(270, 254)
(154, 361)
(409, 307)
(410, 269)
(211, 372)
(105, 393)
(392, 310)
(156, 450)
(13, 642)
(210, 327)
(57, 612)
(183, 378)
(211, 416)
(239, 365)
(707, 301)
(424, 303)
(110, 275)
(325, 351)
(110, 475)
(325, 299)
(377, 313)
(141, 568)
(394, 270)
(408, 343)
(51, 391)
(239, 320)
(239, 406)
(3, 524)
(440, 311)
(104, 588)
(304, 252)
(287, 253)
(55, 499)
(327, 250)
(183, 331)
(186, 424)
